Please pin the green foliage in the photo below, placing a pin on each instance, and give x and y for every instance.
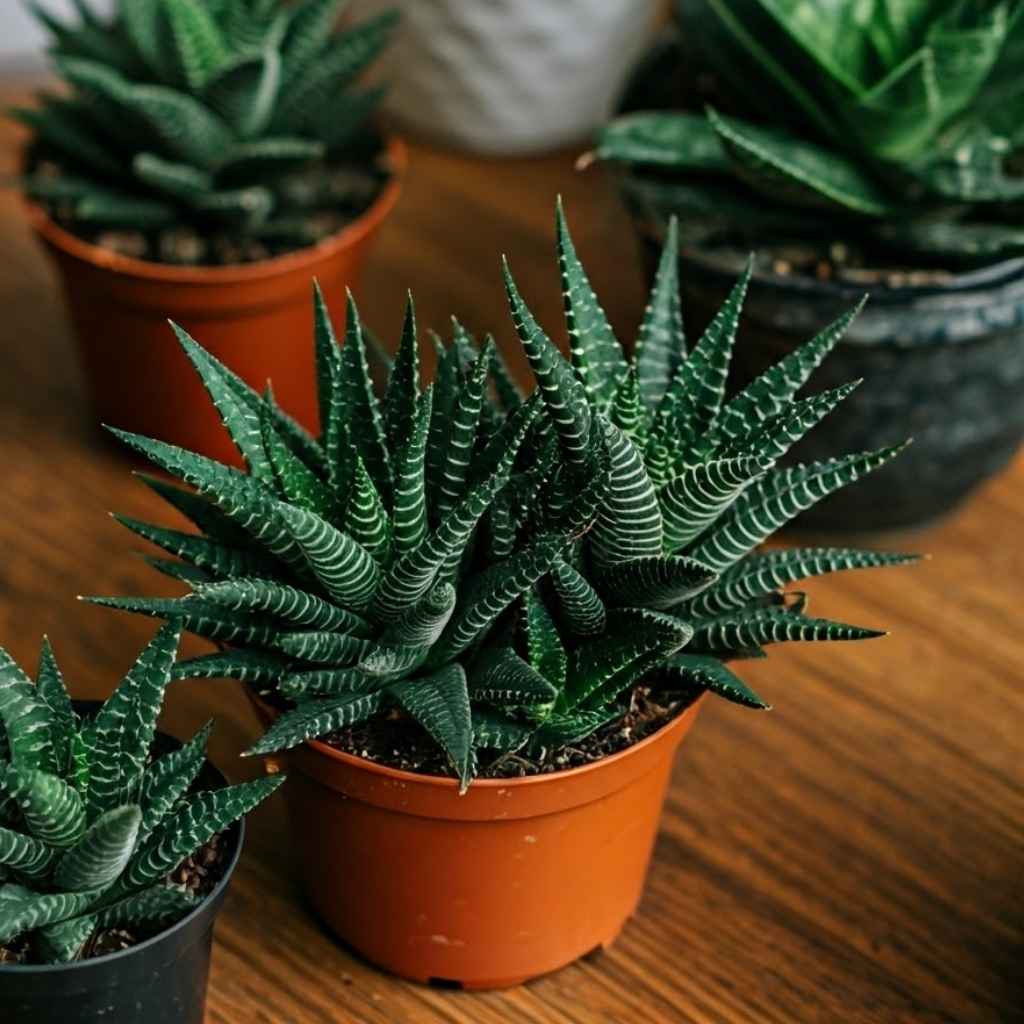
(236, 120)
(97, 826)
(504, 572)
(901, 125)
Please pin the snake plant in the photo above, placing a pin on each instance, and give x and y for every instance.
(360, 571)
(236, 121)
(893, 126)
(668, 583)
(90, 826)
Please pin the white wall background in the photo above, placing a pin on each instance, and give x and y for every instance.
(22, 39)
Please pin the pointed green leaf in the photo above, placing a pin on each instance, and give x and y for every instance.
(156, 904)
(366, 520)
(582, 610)
(247, 666)
(710, 674)
(317, 718)
(424, 622)
(409, 522)
(658, 581)
(98, 858)
(35, 912)
(499, 676)
(544, 646)
(62, 943)
(295, 481)
(51, 689)
(53, 811)
(29, 856)
(752, 628)
(26, 717)
(168, 779)
(328, 648)
(402, 397)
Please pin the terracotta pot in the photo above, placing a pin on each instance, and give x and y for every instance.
(257, 318)
(514, 879)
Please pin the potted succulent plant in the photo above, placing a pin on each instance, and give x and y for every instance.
(117, 844)
(876, 153)
(509, 76)
(205, 160)
(481, 624)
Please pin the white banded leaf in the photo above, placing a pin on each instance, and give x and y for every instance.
(709, 673)
(26, 717)
(424, 622)
(246, 666)
(409, 518)
(563, 730)
(62, 942)
(23, 853)
(34, 912)
(653, 581)
(168, 779)
(628, 411)
(752, 628)
(499, 676)
(199, 47)
(296, 482)
(50, 687)
(440, 703)
(159, 902)
(366, 520)
(495, 731)
(329, 682)
(316, 718)
(98, 858)
(581, 609)
(346, 571)
(53, 811)
(327, 648)
(401, 400)
(544, 646)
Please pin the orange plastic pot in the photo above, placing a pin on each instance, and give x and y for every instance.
(514, 879)
(256, 317)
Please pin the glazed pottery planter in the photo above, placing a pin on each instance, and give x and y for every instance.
(256, 317)
(942, 364)
(508, 76)
(514, 879)
(159, 981)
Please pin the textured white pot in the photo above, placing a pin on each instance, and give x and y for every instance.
(508, 76)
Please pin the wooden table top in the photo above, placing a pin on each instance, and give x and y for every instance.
(854, 856)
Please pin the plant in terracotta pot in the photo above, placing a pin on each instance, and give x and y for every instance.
(203, 162)
(481, 624)
(117, 844)
(874, 153)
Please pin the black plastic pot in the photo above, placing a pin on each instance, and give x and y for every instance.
(160, 981)
(942, 364)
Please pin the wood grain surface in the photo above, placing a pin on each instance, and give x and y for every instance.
(856, 855)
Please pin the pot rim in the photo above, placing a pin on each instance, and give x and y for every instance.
(108, 958)
(450, 782)
(167, 273)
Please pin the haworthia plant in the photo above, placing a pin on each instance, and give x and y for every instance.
(93, 825)
(895, 126)
(362, 570)
(237, 121)
(503, 570)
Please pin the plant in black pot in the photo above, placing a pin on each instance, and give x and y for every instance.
(874, 153)
(480, 624)
(203, 160)
(116, 847)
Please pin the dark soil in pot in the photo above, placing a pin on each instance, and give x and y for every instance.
(134, 978)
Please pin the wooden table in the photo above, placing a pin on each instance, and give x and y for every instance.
(854, 856)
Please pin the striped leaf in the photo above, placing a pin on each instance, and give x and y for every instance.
(710, 674)
(309, 31)
(316, 718)
(158, 903)
(505, 387)
(366, 520)
(366, 428)
(409, 521)
(637, 642)
(53, 811)
(544, 646)
(693, 500)
(581, 609)
(629, 522)
(346, 571)
(326, 648)
(247, 666)
(294, 480)
(752, 628)
(51, 689)
(500, 677)
(96, 861)
(495, 731)
(401, 400)
(124, 727)
(778, 498)
(440, 703)
(35, 912)
(661, 343)
(423, 624)
(493, 592)
(694, 395)
(209, 555)
(628, 412)
(655, 581)
(26, 717)
(29, 856)
(596, 353)
(759, 575)
(329, 682)
(331, 400)
(200, 511)
(564, 396)
(198, 45)
(461, 436)
(62, 943)
(190, 827)
(447, 380)
(284, 602)
(563, 730)
(770, 393)
(168, 779)
(203, 618)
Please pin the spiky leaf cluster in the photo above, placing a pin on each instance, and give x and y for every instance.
(238, 120)
(669, 583)
(362, 570)
(90, 825)
(503, 571)
(897, 125)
